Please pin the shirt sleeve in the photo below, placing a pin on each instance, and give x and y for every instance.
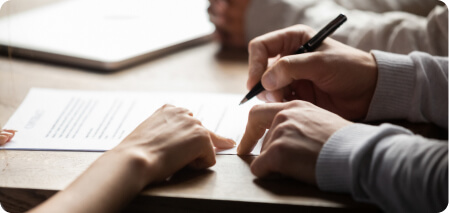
(417, 7)
(392, 31)
(386, 165)
(413, 87)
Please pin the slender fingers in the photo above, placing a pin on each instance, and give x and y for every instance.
(218, 141)
(6, 135)
(221, 142)
(207, 156)
(3, 139)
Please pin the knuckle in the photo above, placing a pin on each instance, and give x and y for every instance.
(279, 131)
(277, 152)
(181, 110)
(286, 126)
(195, 123)
(283, 129)
(199, 132)
(255, 110)
(281, 116)
(298, 104)
(283, 63)
(255, 44)
(294, 104)
(189, 121)
(278, 148)
(167, 106)
(317, 57)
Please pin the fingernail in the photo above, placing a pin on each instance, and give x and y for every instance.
(270, 97)
(232, 142)
(239, 151)
(8, 134)
(269, 81)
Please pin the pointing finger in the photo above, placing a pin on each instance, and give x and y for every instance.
(259, 119)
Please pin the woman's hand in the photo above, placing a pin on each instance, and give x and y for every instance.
(335, 77)
(6, 135)
(167, 141)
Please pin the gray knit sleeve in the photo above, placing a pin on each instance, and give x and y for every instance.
(386, 165)
(412, 87)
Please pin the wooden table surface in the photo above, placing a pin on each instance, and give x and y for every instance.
(29, 177)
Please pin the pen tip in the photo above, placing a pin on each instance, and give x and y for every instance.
(243, 101)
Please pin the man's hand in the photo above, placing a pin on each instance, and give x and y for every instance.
(229, 18)
(335, 77)
(297, 131)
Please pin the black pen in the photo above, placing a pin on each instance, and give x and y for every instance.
(311, 45)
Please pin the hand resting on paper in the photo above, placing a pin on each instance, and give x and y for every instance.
(164, 143)
(297, 132)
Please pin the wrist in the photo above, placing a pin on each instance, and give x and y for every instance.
(108, 184)
(138, 167)
(392, 68)
(370, 82)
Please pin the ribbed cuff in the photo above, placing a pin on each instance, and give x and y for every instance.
(333, 169)
(395, 83)
(341, 158)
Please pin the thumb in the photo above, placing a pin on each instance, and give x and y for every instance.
(307, 66)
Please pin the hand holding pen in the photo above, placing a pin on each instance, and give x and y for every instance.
(335, 76)
(309, 46)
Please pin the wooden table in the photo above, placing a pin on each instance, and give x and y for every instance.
(27, 178)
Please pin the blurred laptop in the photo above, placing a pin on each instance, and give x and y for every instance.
(104, 34)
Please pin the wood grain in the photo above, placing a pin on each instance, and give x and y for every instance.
(27, 178)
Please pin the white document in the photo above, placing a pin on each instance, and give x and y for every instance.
(50, 119)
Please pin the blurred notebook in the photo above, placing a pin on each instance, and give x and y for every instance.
(104, 34)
